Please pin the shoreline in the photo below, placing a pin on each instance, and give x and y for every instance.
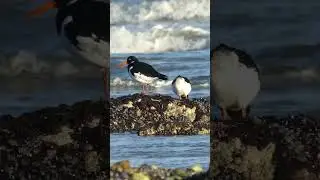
(123, 170)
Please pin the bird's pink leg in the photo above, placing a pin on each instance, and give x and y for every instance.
(143, 91)
(147, 89)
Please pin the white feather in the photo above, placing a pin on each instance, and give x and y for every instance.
(91, 50)
(234, 85)
(96, 52)
(181, 87)
(141, 78)
(66, 21)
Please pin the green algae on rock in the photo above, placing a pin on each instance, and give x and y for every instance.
(159, 115)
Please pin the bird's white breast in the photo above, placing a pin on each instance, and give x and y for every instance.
(95, 52)
(234, 84)
(141, 77)
(181, 87)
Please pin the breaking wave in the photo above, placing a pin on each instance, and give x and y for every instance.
(159, 39)
(158, 10)
(120, 82)
(27, 63)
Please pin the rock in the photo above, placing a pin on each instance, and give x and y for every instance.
(60, 139)
(47, 144)
(122, 169)
(94, 123)
(180, 173)
(123, 165)
(197, 168)
(159, 115)
(140, 176)
(271, 148)
(92, 161)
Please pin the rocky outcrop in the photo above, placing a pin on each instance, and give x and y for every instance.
(159, 115)
(266, 148)
(123, 170)
(65, 142)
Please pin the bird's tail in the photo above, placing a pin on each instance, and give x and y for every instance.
(163, 77)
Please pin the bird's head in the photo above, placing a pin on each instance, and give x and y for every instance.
(223, 47)
(130, 60)
(51, 4)
(223, 51)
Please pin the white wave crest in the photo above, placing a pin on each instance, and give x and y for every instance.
(159, 10)
(27, 62)
(159, 39)
(118, 82)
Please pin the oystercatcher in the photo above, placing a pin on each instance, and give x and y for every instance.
(142, 72)
(235, 78)
(85, 24)
(181, 86)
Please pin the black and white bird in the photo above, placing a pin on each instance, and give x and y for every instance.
(142, 72)
(85, 27)
(235, 79)
(181, 87)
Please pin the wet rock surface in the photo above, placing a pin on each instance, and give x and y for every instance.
(266, 148)
(123, 170)
(159, 115)
(64, 142)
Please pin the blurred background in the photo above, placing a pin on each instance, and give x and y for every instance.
(283, 38)
(35, 69)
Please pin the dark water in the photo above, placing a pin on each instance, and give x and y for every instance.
(283, 38)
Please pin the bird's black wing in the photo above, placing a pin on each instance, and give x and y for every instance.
(89, 17)
(174, 81)
(145, 69)
(246, 59)
(187, 80)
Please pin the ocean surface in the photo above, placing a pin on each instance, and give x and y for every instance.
(283, 38)
(174, 37)
(35, 69)
(163, 151)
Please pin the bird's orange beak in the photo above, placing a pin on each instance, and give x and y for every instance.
(123, 64)
(42, 9)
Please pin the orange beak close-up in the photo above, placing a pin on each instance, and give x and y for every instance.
(42, 9)
(123, 64)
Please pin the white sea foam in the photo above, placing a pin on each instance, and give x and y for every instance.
(120, 82)
(27, 62)
(159, 10)
(159, 38)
